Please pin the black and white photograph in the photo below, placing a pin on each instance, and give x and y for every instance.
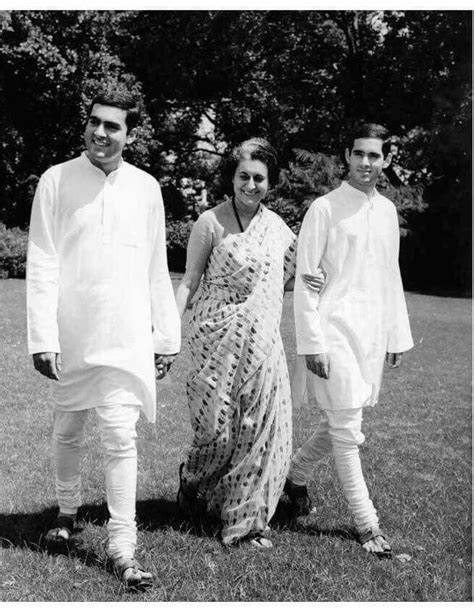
(235, 304)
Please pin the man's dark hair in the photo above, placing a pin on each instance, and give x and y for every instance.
(370, 130)
(254, 148)
(119, 99)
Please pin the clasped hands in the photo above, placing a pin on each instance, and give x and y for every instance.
(163, 364)
(320, 363)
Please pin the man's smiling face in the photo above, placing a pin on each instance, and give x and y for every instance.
(366, 162)
(106, 135)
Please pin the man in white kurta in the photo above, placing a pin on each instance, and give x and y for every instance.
(100, 305)
(344, 334)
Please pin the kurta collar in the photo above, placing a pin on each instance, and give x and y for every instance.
(98, 171)
(357, 194)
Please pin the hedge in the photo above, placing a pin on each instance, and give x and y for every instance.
(13, 245)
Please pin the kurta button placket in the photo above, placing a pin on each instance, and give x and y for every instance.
(106, 212)
(370, 232)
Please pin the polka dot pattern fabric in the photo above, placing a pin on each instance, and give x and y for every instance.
(238, 390)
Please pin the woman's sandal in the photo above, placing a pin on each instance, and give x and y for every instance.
(60, 536)
(131, 574)
(372, 534)
(259, 541)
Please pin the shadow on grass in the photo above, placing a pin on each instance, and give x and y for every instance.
(157, 514)
(283, 520)
(28, 530)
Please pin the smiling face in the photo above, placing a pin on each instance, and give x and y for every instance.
(366, 162)
(250, 183)
(106, 135)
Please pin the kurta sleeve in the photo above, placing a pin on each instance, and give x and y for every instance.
(312, 241)
(165, 317)
(42, 275)
(399, 333)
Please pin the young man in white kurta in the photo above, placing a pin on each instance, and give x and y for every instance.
(100, 305)
(344, 334)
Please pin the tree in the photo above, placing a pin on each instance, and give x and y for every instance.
(209, 79)
(53, 62)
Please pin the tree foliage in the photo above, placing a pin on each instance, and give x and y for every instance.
(209, 79)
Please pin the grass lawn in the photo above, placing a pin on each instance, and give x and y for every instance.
(417, 461)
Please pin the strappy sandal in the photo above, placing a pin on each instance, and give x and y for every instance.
(60, 536)
(259, 541)
(371, 534)
(301, 503)
(131, 574)
(185, 500)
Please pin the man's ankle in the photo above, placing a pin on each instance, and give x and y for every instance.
(68, 513)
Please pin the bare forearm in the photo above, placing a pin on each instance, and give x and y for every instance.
(184, 294)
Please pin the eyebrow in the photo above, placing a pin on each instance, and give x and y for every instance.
(258, 175)
(106, 122)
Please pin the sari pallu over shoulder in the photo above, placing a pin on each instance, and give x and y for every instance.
(235, 322)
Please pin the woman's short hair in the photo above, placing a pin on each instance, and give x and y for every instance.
(255, 149)
(122, 100)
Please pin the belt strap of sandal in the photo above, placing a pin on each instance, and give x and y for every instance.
(370, 534)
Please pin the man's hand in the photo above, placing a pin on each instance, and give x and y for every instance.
(314, 281)
(48, 364)
(163, 364)
(318, 364)
(393, 359)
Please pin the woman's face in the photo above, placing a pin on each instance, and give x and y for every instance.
(250, 182)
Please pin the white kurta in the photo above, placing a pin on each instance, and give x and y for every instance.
(361, 312)
(98, 283)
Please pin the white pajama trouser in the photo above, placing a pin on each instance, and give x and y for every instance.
(118, 434)
(339, 431)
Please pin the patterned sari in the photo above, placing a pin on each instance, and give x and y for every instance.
(238, 390)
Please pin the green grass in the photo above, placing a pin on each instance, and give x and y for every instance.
(417, 461)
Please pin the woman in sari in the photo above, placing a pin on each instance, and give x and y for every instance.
(238, 388)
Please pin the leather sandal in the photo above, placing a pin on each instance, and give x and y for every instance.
(371, 534)
(259, 541)
(131, 574)
(60, 536)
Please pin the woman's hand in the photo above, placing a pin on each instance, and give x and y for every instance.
(314, 281)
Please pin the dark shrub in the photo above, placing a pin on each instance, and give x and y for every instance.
(177, 236)
(308, 177)
(13, 244)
